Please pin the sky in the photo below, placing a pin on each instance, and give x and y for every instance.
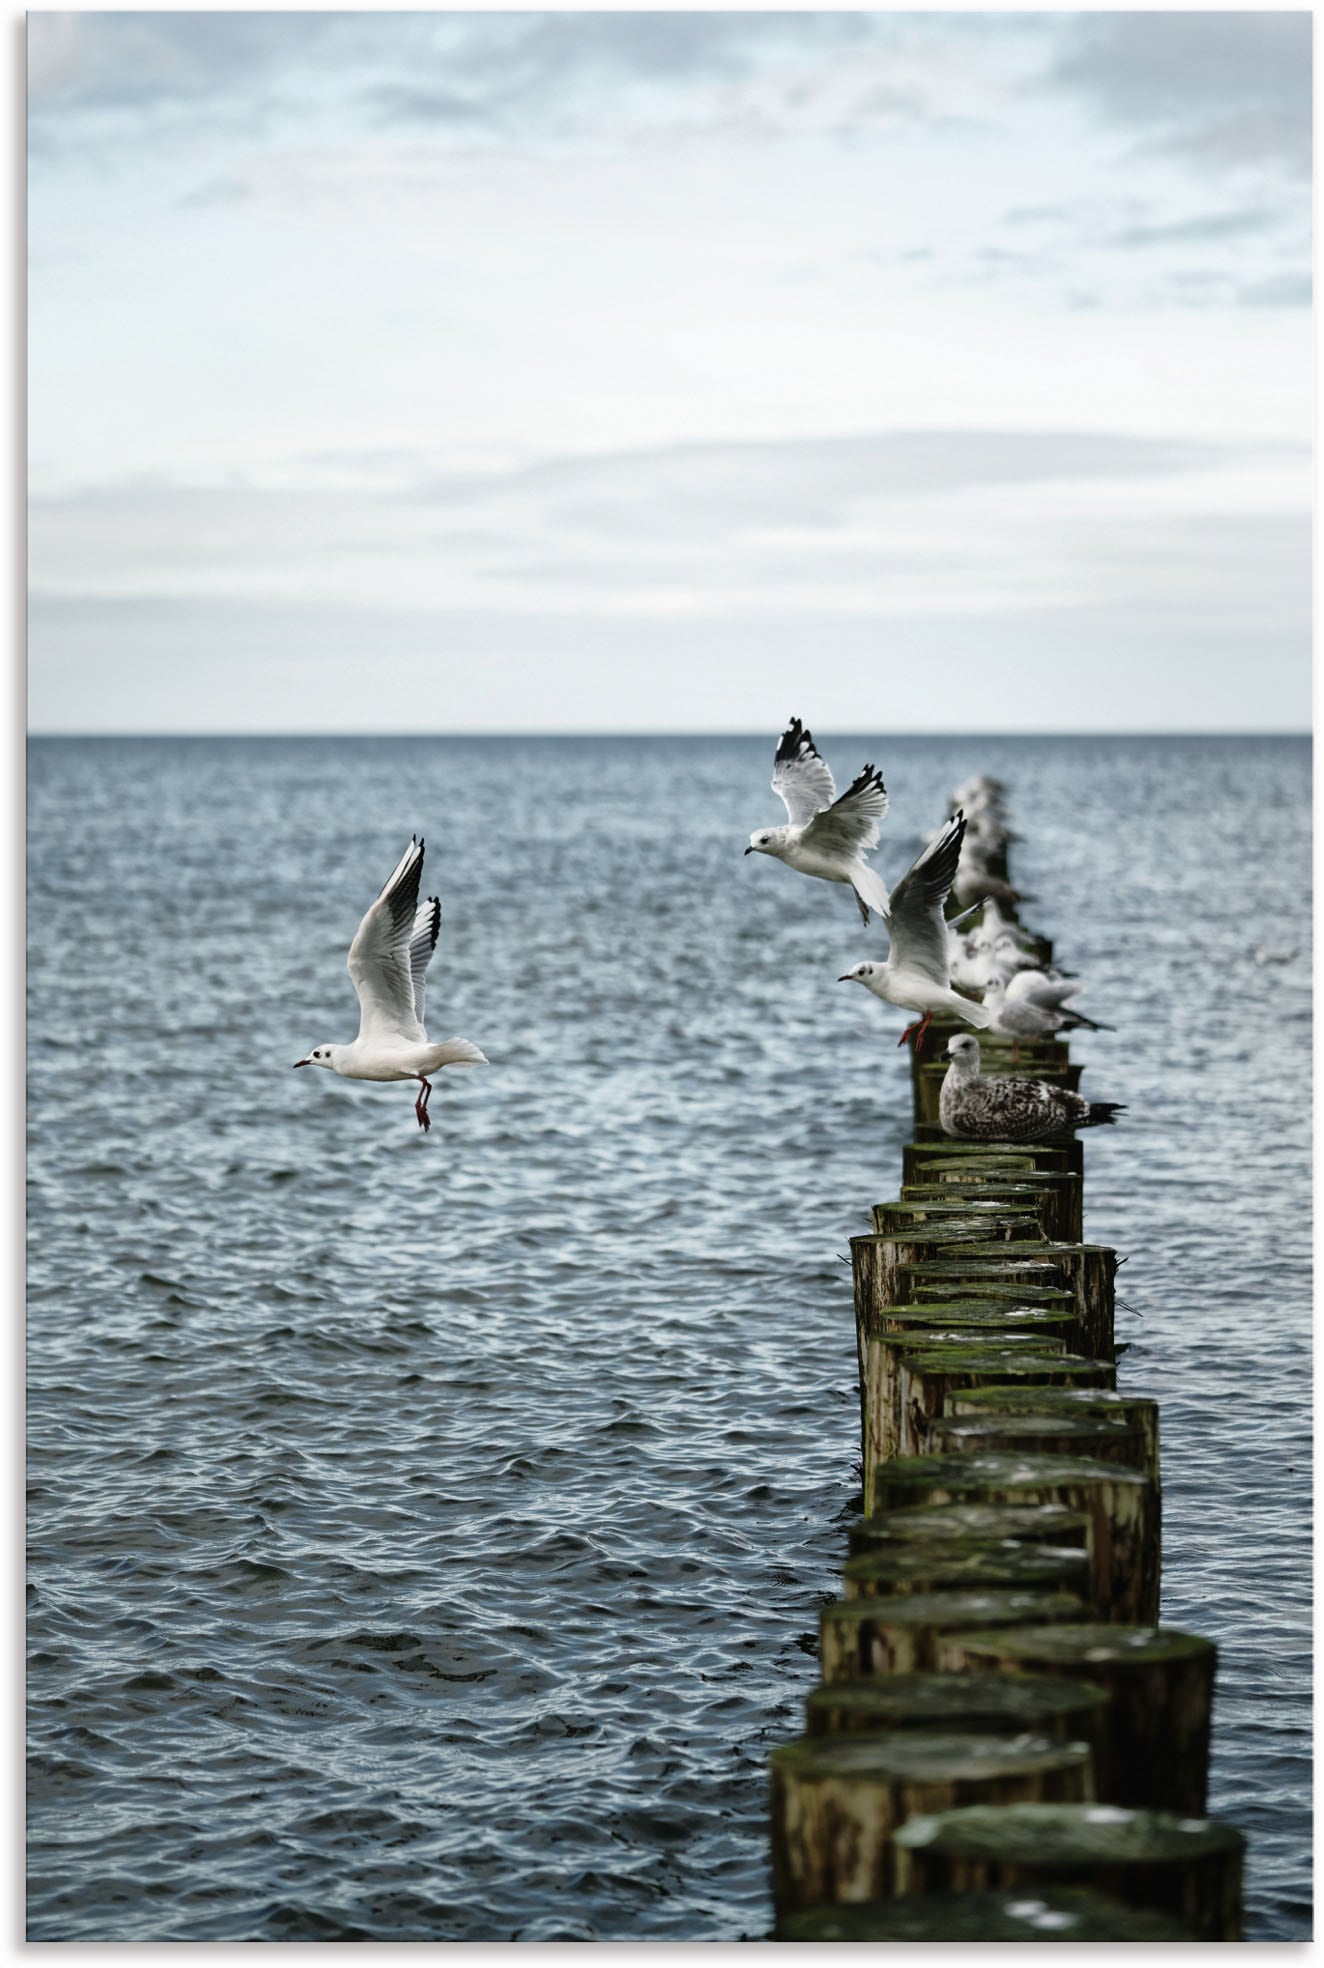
(637, 371)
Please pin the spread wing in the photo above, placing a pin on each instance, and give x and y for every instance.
(800, 778)
(914, 912)
(850, 825)
(427, 923)
(381, 957)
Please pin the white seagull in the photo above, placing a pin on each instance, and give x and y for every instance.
(388, 962)
(827, 837)
(916, 974)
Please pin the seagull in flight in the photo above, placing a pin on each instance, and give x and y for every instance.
(916, 975)
(976, 1109)
(827, 836)
(388, 962)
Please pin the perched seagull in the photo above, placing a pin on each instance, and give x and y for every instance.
(916, 975)
(827, 837)
(388, 962)
(1031, 1005)
(975, 1109)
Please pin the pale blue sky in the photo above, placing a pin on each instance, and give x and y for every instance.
(633, 371)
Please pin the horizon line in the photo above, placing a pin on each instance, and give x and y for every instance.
(841, 731)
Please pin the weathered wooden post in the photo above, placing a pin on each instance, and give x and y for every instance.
(1189, 1868)
(1057, 1196)
(941, 1567)
(1156, 1751)
(1122, 1505)
(1106, 1437)
(838, 1800)
(1059, 1707)
(983, 1526)
(899, 1634)
(926, 1376)
(1048, 1913)
(1139, 1412)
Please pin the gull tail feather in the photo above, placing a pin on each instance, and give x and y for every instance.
(1102, 1112)
(461, 1052)
(870, 891)
(973, 1014)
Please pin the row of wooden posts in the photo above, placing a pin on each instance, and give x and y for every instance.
(1006, 1744)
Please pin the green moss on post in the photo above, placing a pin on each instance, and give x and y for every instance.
(1056, 1199)
(1161, 1684)
(935, 1146)
(1140, 1412)
(1188, 1868)
(924, 1379)
(880, 1389)
(1105, 1437)
(1086, 1270)
(899, 1635)
(1056, 1706)
(977, 1524)
(909, 1219)
(838, 1800)
(943, 1567)
(1122, 1505)
(1048, 1913)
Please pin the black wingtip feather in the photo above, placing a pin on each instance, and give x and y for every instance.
(795, 742)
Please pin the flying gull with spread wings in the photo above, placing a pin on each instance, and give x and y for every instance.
(827, 836)
(388, 962)
(916, 974)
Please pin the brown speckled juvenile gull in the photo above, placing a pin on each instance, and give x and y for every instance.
(975, 1109)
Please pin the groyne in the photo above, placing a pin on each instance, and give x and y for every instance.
(1006, 1743)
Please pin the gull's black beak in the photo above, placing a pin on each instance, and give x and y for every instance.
(749, 850)
(303, 1062)
(847, 979)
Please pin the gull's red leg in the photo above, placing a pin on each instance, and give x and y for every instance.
(925, 1023)
(906, 1034)
(421, 1104)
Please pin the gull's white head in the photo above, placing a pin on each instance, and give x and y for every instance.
(319, 1056)
(768, 840)
(862, 974)
(963, 1050)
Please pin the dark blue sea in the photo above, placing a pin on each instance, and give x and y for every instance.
(427, 1534)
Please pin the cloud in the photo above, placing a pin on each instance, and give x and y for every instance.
(1282, 290)
(1223, 90)
(1201, 229)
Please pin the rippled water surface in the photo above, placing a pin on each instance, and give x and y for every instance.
(427, 1534)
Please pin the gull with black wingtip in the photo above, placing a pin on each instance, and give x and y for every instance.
(388, 962)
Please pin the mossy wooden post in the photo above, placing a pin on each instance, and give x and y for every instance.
(1052, 1198)
(924, 1377)
(1161, 1682)
(1188, 1868)
(941, 1567)
(881, 1396)
(1049, 1913)
(1087, 1270)
(1122, 1505)
(972, 1525)
(1105, 1437)
(1067, 1156)
(1140, 1412)
(1060, 1708)
(838, 1800)
(899, 1635)
(912, 1219)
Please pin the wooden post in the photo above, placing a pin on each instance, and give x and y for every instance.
(838, 1800)
(1056, 1706)
(1049, 1913)
(1140, 1412)
(1106, 1437)
(1122, 1505)
(968, 1524)
(1087, 1270)
(1189, 1868)
(1065, 1156)
(899, 1635)
(881, 1410)
(912, 1219)
(1058, 1196)
(941, 1567)
(925, 1376)
(1156, 1752)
